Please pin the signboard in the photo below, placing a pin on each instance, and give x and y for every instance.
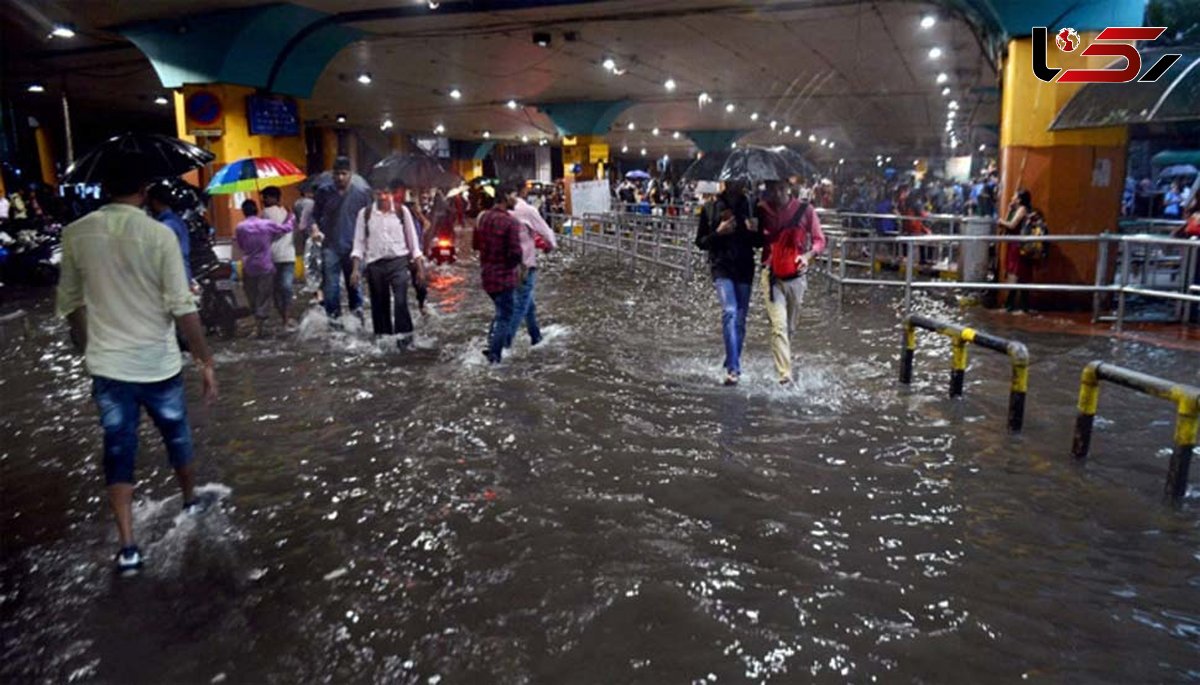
(272, 115)
(590, 197)
(204, 111)
(959, 168)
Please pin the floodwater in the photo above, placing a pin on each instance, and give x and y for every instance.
(599, 510)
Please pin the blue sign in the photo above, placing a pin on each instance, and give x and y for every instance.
(272, 115)
(203, 108)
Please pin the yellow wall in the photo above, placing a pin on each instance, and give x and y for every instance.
(590, 152)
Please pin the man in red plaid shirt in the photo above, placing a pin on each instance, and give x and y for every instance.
(498, 239)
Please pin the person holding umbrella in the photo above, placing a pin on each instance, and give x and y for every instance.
(335, 210)
(123, 291)
(729, 236)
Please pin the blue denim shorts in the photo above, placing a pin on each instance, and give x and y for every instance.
(120, 404)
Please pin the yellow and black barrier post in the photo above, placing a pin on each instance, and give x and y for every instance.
(960, 336)
(1187, 419)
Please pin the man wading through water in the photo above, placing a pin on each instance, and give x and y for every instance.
(792, 237)
(123, 290)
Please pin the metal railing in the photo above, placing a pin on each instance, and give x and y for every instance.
(1187, 420)
(961, 335)
(1120, 284)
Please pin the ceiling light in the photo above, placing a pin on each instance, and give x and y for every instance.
(951, 114)
(703, 99)
(609, 64)
(774, 124)
(880, 163)
(62, 31)
(541, 39)
(543, 141)
(946, 91)
(841, 161)
(675, 135)
(953, 104)
(387, 124)
(916, 162)
(487, 134)
(889, 159)
(455, 93)
(823, 142)
(734, 146)
(787, 129)
(511, 104)
(524, 139)
(928, 21)
(160, 100)
(631, 126)
(434, 4)
(439, 129)
(669, 84)
(654, 131)
(942, 77)
(341, 118)
(754, 116)
(831, 145)
(643, 152)
(364, 78)
(812, 138)
(36, 88)
(798, 132)
(935, 52)
(982, 148)
(730, 107)
(624, 148)
(620, 72)
(953, 144)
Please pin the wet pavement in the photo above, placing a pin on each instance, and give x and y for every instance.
(599, 510)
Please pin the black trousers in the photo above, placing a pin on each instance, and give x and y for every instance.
(387, 284)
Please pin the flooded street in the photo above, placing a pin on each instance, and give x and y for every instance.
(599, 510)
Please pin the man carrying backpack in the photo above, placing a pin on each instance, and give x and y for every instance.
(792, 237)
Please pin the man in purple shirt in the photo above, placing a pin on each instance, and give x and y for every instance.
(535, 235)
(254, 236)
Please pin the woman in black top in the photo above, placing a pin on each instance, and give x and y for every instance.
(730, 237)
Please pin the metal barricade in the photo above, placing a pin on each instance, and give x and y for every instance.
(1187, 420)
(1016, 352)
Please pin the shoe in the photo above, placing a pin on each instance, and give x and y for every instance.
(199, 504)
(731, 379)
(534, 342)
(129, 561)
(785, 381)
(404, 344)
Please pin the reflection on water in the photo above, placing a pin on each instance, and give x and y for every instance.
(598, 509)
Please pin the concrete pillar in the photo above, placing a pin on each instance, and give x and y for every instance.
(1075, 177)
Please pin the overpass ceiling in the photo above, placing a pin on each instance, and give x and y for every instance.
(858, 73)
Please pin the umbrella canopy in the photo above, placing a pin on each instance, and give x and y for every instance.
(707, 168)
(412, 171)
(1174, 97)
(637, 175)
(1177, 170)
(755, 164)
(798, 161)
(254, 173)
(148, 155)
(325, 178)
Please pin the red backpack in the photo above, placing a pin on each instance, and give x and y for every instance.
(788, 246)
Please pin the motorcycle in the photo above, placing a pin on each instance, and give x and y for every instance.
(34, 252)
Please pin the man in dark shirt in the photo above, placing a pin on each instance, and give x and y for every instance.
(335, 211)
(158, 201)
(498, 239)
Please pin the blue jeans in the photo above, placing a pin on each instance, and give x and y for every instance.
(501, 324)
(285, 277)
(334, 266)
(735, 305)
(120, 404)
(525, 310)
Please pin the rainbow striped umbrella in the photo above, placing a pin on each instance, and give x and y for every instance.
(254, 173)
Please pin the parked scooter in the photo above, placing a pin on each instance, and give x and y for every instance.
(34, 252)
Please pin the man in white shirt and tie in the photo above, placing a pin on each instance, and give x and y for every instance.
(385, 238)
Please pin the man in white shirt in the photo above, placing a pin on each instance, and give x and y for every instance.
(536, 235)
(123, 290)
(385, 238)
(283, 252)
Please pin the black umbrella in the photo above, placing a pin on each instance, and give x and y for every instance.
(137, 155)
(798, 161)
(755, 164)
(325, 178)
(707, 168)
(412, 171)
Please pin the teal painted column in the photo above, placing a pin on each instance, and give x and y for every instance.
(585, 118)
